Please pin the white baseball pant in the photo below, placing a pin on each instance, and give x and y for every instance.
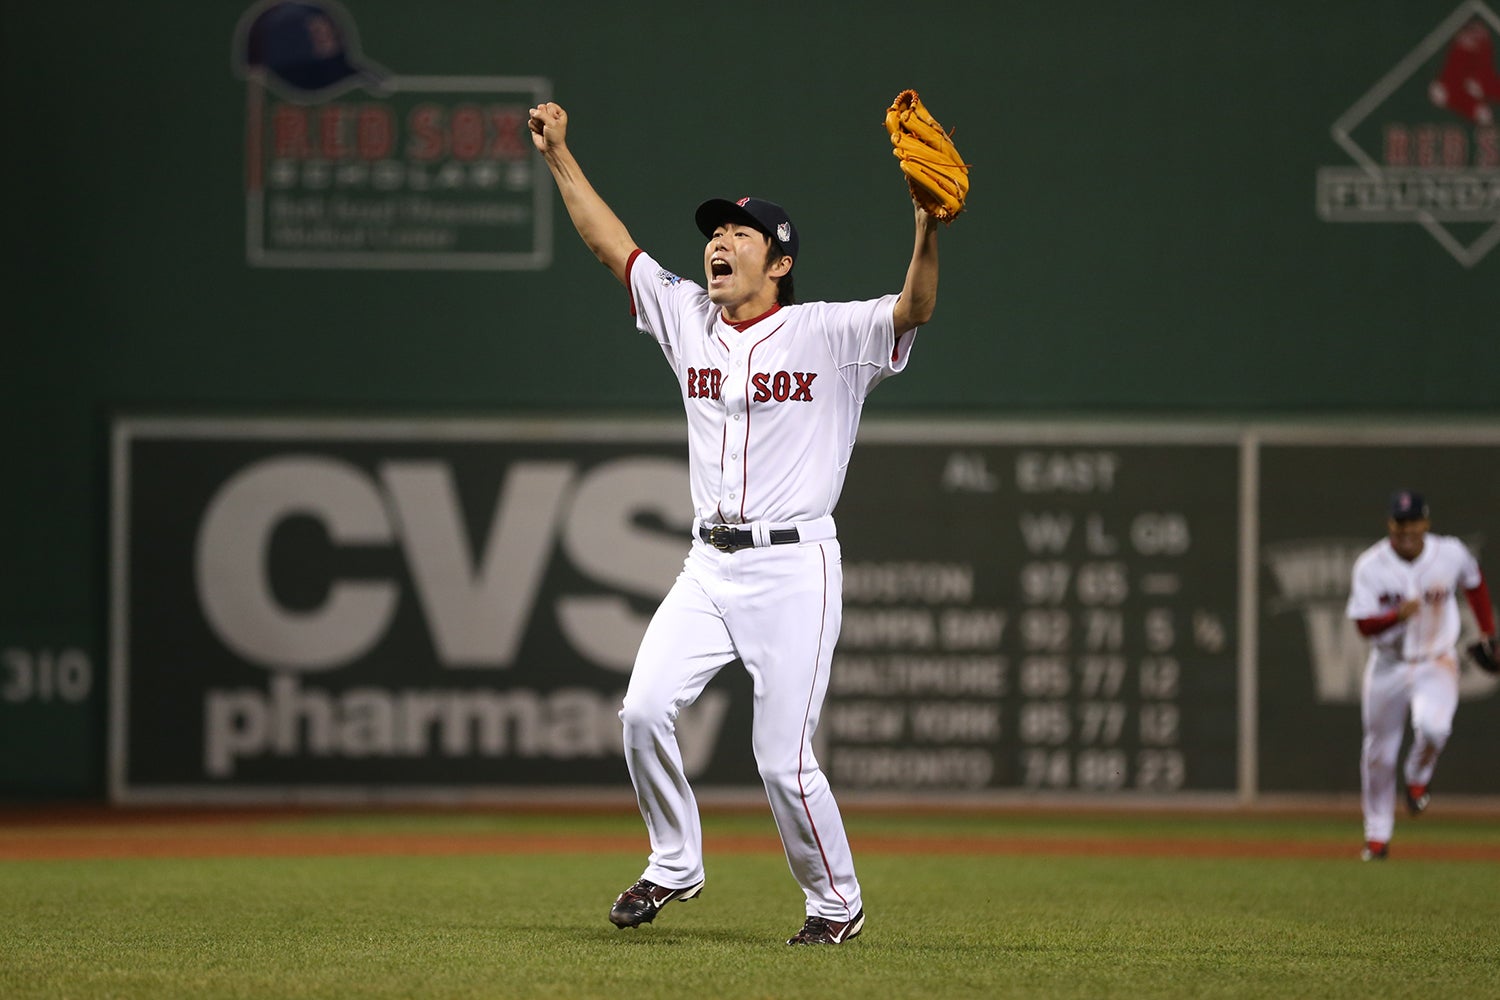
(778, 609)
(1429, 689)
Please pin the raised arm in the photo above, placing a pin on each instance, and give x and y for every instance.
(601, 230)
(919, 294)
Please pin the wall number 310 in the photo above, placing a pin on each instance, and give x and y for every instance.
(45, 675)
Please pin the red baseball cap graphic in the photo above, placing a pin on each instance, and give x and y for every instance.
(1468, 82)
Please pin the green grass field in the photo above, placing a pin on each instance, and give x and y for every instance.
(986, 923)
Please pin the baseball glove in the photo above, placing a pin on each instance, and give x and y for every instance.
(1486, 654)
(937, 175)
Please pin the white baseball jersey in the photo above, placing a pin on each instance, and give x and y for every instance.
(1383, 580)
(772, 412)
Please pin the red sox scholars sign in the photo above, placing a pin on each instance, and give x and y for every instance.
(350, 166)
(1425, 141)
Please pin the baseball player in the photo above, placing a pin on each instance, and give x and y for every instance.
(773, 392)
(1404, 596)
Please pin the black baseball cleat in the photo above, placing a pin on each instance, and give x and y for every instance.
(817, 930)
(1375, 850)
(640, 903)
(1417, 797)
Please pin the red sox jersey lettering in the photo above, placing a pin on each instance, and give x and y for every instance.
(795, 387)
(704, 384)
(779, 386)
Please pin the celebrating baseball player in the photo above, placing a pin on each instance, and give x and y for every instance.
(773, 391)
(1404, 597)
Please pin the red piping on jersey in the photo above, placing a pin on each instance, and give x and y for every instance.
(1479, 600)
(802, 751)
(723, 447)
(723, 442)
(629, 265)
(745, 450)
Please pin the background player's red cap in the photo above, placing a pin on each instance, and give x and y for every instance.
(1408, 505)
(767, 216)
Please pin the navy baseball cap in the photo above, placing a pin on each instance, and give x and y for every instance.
(307, 47)
(767, 216)
(1408, 505)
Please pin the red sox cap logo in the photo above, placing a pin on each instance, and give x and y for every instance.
(1439, 169)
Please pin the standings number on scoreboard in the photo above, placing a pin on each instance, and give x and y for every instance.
(1103, 770)
(1097, 686)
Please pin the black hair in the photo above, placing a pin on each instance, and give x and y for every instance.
(785, 294)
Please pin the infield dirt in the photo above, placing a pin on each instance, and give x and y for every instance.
(101, 832)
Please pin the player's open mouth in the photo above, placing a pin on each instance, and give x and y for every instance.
(719, 268)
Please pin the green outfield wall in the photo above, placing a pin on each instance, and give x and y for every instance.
(1242, 217)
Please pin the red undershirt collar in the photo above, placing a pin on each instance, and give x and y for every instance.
(747, 324)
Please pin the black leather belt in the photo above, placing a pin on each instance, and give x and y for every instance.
(727, 538)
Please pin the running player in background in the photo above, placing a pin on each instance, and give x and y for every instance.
(773, 392)
(1404, 596)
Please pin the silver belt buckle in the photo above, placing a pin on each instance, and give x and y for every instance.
(721, 537)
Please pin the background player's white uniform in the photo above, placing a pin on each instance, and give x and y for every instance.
(772, 414)
(1413, 665)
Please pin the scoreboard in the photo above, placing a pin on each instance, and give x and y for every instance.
(1038, 616)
